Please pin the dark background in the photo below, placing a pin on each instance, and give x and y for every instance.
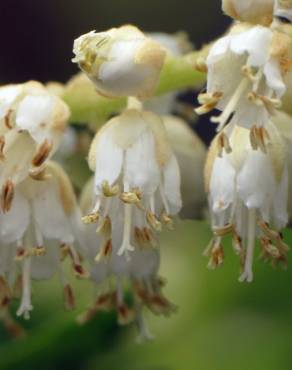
(37, 35)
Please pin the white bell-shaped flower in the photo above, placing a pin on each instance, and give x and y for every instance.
(121, 61)
(246, 71)
(38, 231)
(31, 125)
(248, 192)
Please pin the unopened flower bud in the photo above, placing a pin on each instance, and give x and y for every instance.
(121, 61)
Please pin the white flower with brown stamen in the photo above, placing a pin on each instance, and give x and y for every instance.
(248, 199)
(113, 274)
(31, 124)
(246, 71)
(41, 227)
(135, 172)
(121, 61)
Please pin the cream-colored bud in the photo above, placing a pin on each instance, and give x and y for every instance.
(252, 11)
(121, 61)
(191, 154)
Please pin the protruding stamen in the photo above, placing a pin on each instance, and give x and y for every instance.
(69, 299)
(105, 251)
(231, 106)
(105, 228)
(215, 252)
(38, 251)
(109, 191)
(131, 197)
(91, 218)
(223, 144)
(7, 196)
(153, 221)
(21, 253)
(167, 220)
(126, 245)
(247, 274)
(79, 270)
(223, 231)
(25, 305)
(43, 153)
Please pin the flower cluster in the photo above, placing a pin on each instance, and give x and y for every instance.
(246, 173)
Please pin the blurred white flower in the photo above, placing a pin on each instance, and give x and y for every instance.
(283, 8)
(252, 11)
(121, 61)
(32, 122)
(190, 152)
(248, 192)
(38, 231)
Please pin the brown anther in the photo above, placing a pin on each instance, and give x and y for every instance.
(5, 292)
(80, 272)
(153, 221)
(42, 154)
(149, 238)
(109, 191)
(69, 299)
(91, 218)
(167, 221)
(38, 251)
(210, 98)
(105, 228)
(215, 252)
(131, 197)
(160, 305)
(269, 249)
(125, 314)
(7, 120)
(2, 146)
(223, 231)
(21, 254)
(105, 251)
(139, 236)
(271, 234)
(7, 196)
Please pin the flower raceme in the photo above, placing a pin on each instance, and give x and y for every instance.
(121, 61)
(31, 124)
(248, 193)
(37, 233)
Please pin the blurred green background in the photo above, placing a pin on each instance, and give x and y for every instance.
(220, 324)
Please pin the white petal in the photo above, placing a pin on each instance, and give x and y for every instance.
(109, 160)
(141, 168)
(50, 216)
(172, 184)
(16, 221)
(255, 183)
(144, 263)
(280, 209)
(222, 184)
(34, 114)
(272, 72)
(8, 95)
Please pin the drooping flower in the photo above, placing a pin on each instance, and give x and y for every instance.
(246, 71)
(252, 11)
(37, 232)
(31, 125)
(248, 192)
(120, 62)
(134, 164)
(116, 275)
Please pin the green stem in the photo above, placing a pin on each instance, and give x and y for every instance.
(89, 107)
